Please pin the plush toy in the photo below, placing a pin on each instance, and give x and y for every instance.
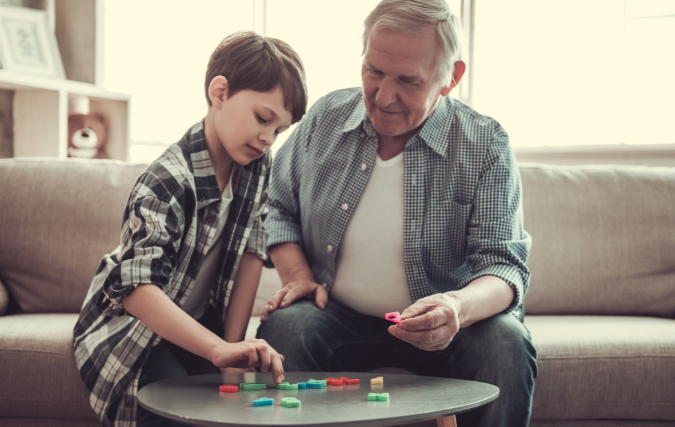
(87, 135)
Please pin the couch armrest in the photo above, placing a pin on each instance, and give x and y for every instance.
(4, 299)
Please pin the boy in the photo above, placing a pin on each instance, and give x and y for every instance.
(193, 229)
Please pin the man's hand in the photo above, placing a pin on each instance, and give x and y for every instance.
(293, 291)
(249, 354)
(430, 323)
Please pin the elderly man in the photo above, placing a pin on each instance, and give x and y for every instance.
(395, 197)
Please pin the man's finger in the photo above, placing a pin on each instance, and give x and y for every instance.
(418, 308)
(429, 320)
(321, 297)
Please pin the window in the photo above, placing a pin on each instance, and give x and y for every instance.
(576, 72)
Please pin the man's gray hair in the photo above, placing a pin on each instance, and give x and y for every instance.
(413, 16)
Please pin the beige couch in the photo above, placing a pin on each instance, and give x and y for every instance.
(601, 304)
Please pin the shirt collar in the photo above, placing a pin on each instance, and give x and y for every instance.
(202, 168)
(434, 132)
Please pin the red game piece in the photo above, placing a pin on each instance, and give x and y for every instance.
(347, 381)
(333, 381)
(229, 388)
(394, 317)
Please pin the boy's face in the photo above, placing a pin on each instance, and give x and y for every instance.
(247, 123)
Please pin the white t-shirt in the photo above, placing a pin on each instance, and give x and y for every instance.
(200, 295)
(370, 276)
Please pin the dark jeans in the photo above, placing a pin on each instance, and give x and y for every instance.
(167, 360)
(497, 351)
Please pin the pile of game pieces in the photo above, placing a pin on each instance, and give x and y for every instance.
(291, 402)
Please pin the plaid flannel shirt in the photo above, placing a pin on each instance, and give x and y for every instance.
(462, 195)
(168, 227)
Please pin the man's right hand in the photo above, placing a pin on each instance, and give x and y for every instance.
(293, 291)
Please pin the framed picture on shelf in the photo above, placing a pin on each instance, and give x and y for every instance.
(27, 45)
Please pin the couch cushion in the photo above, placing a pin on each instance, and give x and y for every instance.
(59, 217)
(38, 371)
(603, 239)
(611, 367)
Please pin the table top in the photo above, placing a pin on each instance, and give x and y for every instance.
(197, 400)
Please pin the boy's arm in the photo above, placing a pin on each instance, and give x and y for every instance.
(150, 305)
(243, 295)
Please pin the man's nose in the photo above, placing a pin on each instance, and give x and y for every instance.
(387, 92)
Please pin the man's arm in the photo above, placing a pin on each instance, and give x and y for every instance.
(296, 277)
(480, 299)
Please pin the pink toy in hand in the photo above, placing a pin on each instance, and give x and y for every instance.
(394, 317)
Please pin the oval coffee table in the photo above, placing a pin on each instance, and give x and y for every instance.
(196, 400)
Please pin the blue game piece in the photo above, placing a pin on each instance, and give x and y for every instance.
(263, 401)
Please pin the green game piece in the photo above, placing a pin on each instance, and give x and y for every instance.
(382, 397)
(324, 382)
(290, 402)
(287, 386)
(252, 386)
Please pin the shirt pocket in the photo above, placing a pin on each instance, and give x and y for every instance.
(444, 234)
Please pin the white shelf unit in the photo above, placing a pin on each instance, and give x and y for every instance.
(40, 105)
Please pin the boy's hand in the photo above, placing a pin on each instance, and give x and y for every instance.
(251, 353)
(293, 291)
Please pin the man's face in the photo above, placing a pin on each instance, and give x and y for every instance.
(401, 85)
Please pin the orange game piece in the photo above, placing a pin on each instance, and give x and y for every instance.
(333, 381)
(229, 388)
(347, 381)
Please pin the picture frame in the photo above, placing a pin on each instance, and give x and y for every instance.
(26, 43)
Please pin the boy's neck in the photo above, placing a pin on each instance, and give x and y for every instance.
(221, 161)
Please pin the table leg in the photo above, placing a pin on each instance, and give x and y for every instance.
(446, 421)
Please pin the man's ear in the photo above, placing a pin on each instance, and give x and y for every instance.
(457, 73)
(218, 91)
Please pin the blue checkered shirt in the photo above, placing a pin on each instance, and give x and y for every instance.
(463, 216)
(168, 227)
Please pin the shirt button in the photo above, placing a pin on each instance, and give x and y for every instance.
(364, 166)
(363, 134)
(345, 206)
(330, 248)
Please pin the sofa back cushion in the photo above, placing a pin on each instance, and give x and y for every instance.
(603, 239)
(57, 220)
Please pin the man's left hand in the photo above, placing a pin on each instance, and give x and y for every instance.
(430, 323)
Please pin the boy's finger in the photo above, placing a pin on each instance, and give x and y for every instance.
(252, 355)
(277, 368)
(264, 357)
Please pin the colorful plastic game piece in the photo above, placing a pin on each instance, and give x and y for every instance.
(324, 383)
(287, 386)
(290, 402)
(394, 316)
(263, 401)
(380, 397)
(334, 381)
(347, 381)
(229, 388)
(302, 385)
(314, 384)
(378, 380)
(252, 386)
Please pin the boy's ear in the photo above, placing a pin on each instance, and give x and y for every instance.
(218, 91)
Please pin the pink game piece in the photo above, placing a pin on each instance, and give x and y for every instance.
(394, 317)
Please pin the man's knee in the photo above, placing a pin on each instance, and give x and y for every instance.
(501, 342)
(292, 326)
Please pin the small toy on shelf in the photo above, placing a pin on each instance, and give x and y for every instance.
(87, 136)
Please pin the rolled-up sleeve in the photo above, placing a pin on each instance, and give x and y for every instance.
(497, 244)
(257, 239)
(283, 222)
(151, 235)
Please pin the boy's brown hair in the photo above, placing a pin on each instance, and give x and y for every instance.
(254, 62)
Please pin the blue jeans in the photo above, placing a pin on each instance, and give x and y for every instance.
(167, 360)
(497, 351)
